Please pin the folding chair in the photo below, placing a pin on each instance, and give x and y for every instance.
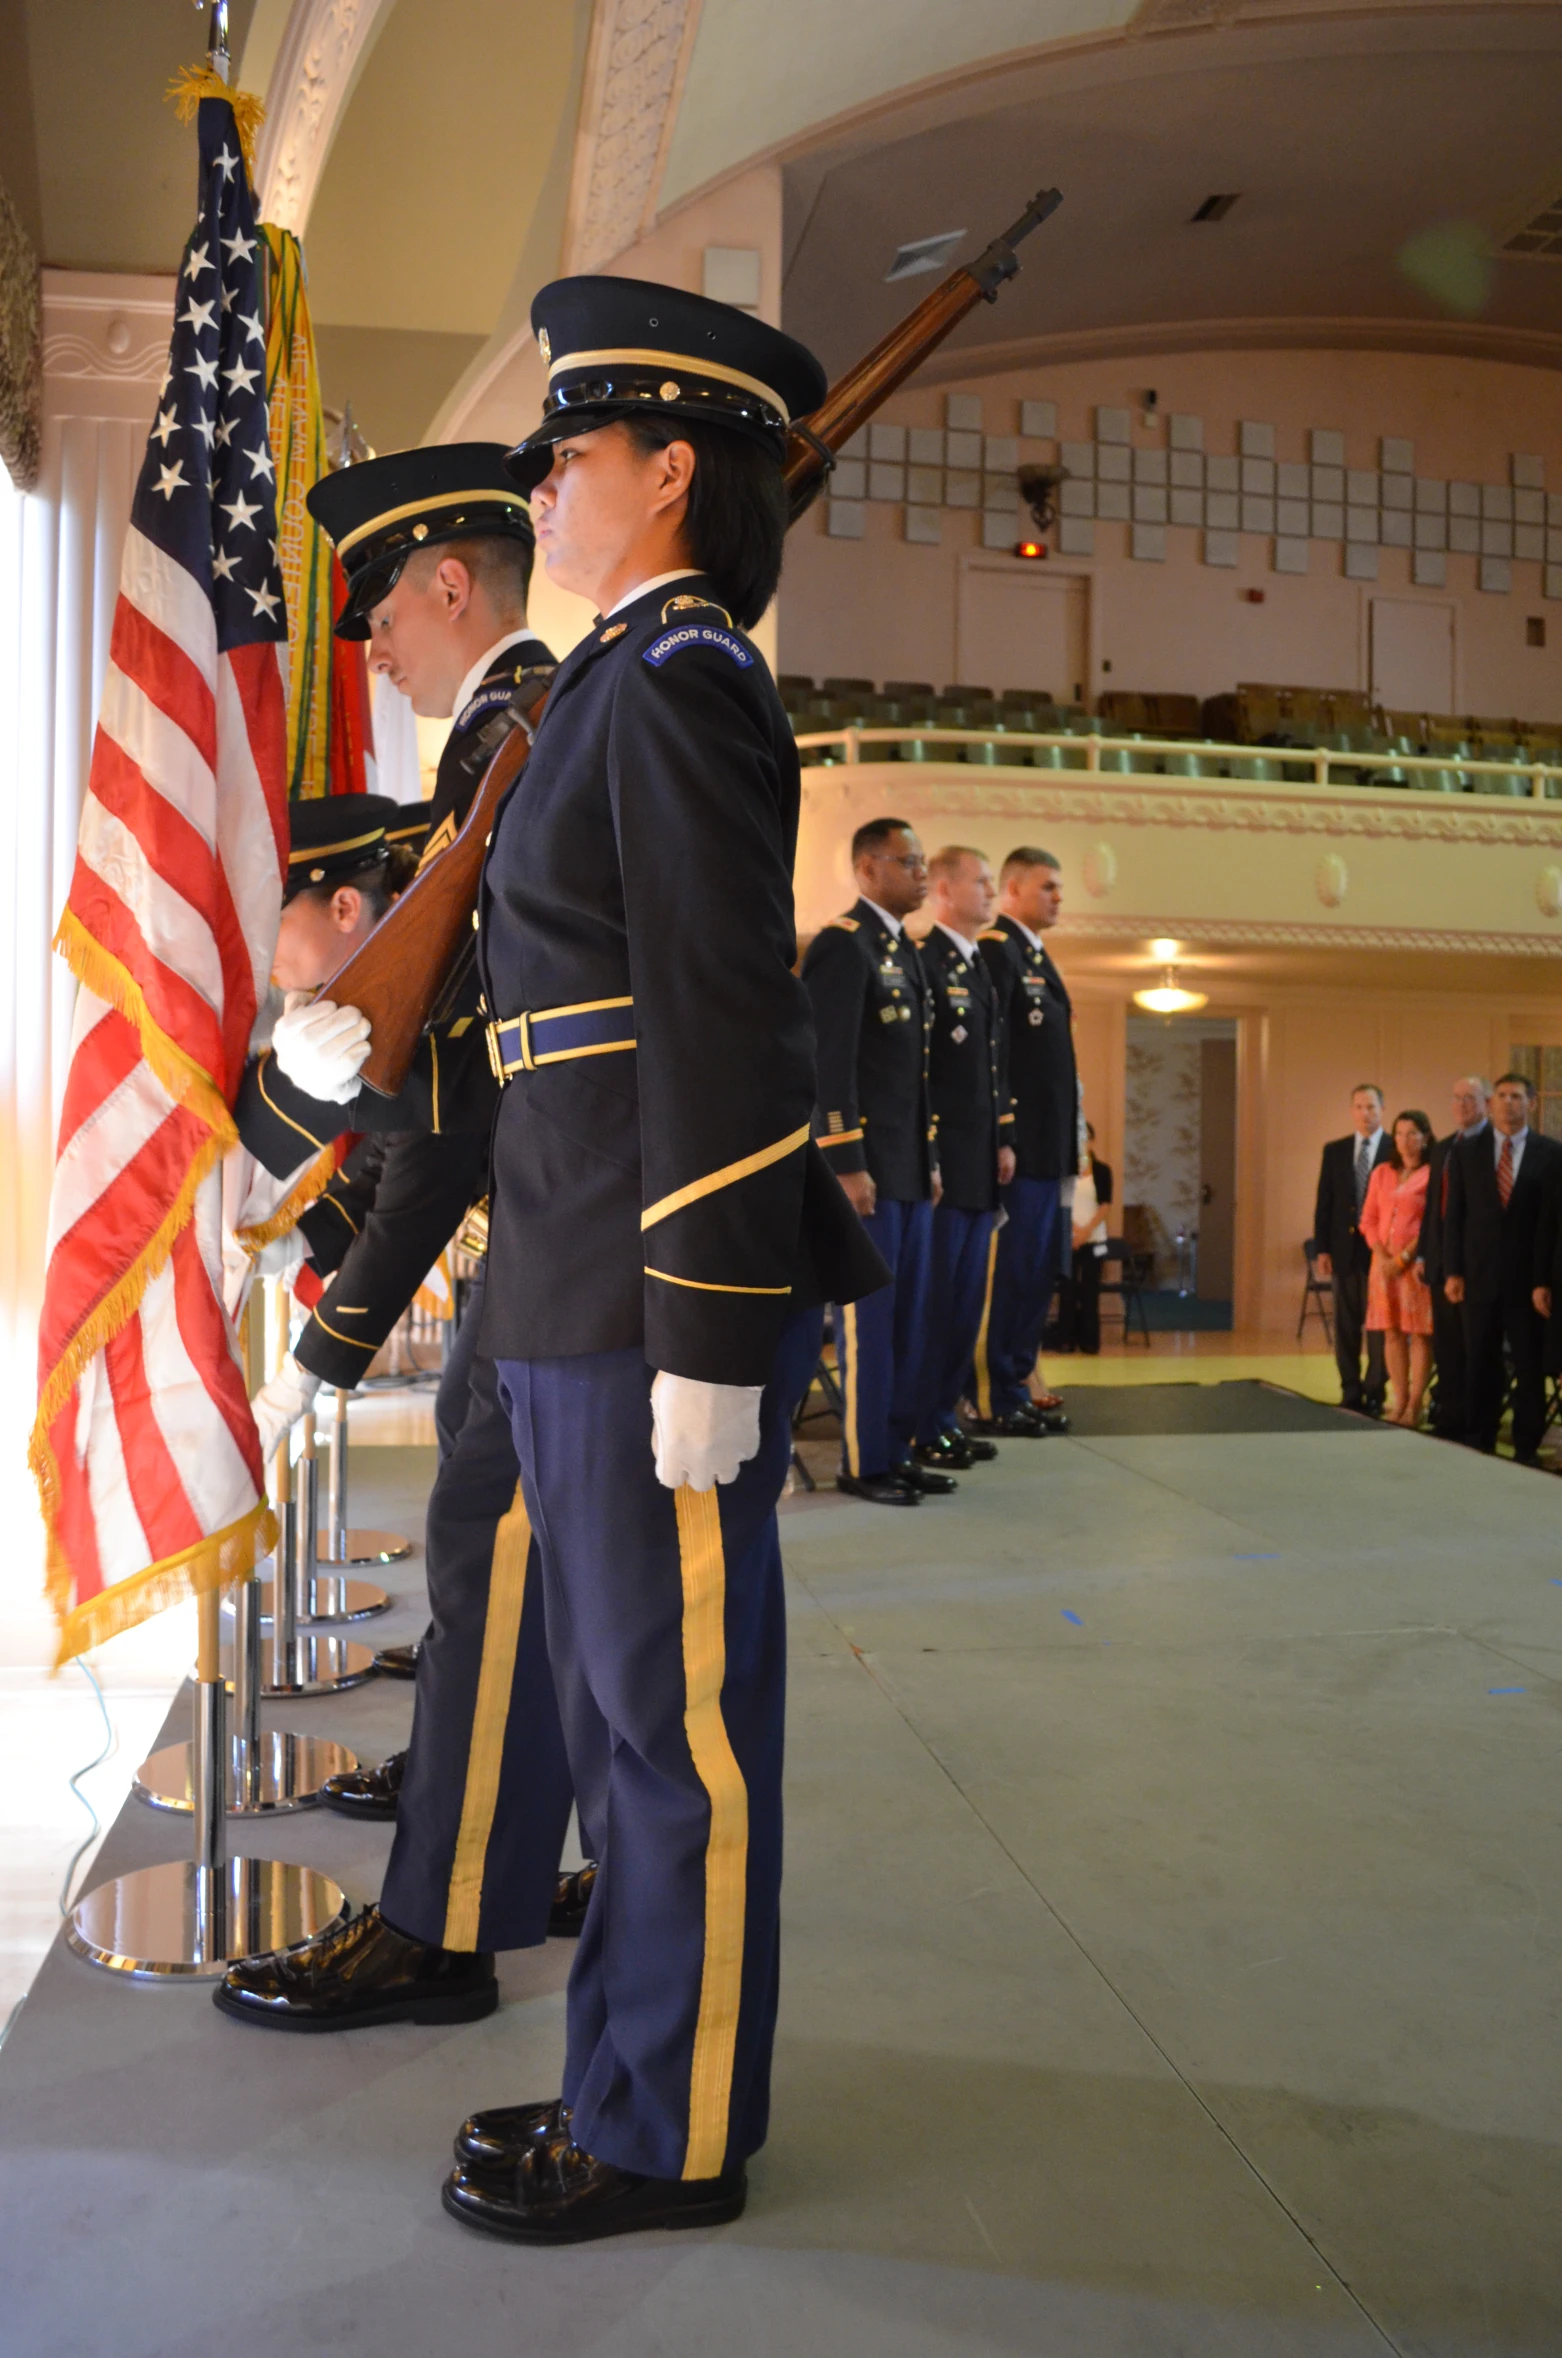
(1128, 1285)
(1317, 1296)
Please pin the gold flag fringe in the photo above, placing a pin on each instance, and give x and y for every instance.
(286, 1217)
(193, 83)
(100, 972)
(210, 1564)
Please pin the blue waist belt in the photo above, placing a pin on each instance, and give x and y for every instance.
(554, 1035)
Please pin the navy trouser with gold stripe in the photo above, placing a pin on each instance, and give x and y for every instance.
(881, 1345)
(667, 1630)
(485, 1797)
(957, 1291)
(1024, 1270)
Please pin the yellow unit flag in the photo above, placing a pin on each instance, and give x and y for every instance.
(298, 449)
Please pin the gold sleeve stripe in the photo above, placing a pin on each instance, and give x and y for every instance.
(331, 1201)
(840, 1138)
(433, 1053)
(353, 1341)
(702, 1285)
(715, 1180)
(260, 1076)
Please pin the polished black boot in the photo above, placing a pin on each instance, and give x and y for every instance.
(950, 1452)
(556, 2194)
(397, 1661)
(925, 1479)
(495, 2140)
(570, 1902)
(1018, 1424)
(365, 1972)
(366, 1793)
(879, 1489)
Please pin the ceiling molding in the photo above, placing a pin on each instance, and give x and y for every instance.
(635, 71)
(322, 50)
(1242, 933)
(1464, 339)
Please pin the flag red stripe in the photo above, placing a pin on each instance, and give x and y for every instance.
(259, 683)
(97, 1251)
(162, 1506)
(175, 1006)
(166, 676)
(207, 1336)
(103, 1060)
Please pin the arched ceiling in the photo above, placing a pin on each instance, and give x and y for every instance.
(472, 138)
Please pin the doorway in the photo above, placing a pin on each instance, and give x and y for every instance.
(1020, 626)
(1180, 1165)
(1412, 654)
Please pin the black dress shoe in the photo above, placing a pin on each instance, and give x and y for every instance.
(570, 1902)
(397, 1661)
(1016, 1424)
(495, 2140)
(927, 1479)
(557, 2194)
(880, 1489)
(982, 1452)
(367, 1972)
(366, 1793)
(951, 1451)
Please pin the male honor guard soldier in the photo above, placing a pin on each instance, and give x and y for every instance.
(484, 1797)
(967, 1078)
(1044, 1080)
(872, 1020)
(661, 1224)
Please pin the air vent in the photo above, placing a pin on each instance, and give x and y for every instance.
(1540, 238)
(923, 253)
(1215, 208)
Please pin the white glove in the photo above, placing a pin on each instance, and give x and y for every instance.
(320, 1047)
(281, 1258)
(279, 1404)
(702, 1433)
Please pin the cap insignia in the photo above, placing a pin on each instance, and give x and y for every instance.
(316, 875)
(544, 346)
(420, 532)
(669, 388)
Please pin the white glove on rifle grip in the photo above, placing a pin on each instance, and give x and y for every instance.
(278, 1405)
(320, 1047)
(702, 1433)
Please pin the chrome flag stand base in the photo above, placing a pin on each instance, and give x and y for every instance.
(270, 1771)
(303, 1661)
(332, 1600)
(337, 1544)
(190, 1920)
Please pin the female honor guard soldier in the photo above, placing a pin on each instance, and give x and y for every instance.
(660, 1220)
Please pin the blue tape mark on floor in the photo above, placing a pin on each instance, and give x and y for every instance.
(1507, 1690)
(1256, 1555)
(1074, 1617)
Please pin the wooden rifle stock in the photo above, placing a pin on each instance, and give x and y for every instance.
(396, 977)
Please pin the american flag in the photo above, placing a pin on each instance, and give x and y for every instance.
(145, 1450)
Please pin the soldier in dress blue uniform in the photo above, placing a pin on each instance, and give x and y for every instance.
(437, 546)
(662, 1232)
(1044, 1081)
(968, 1083)
(873, 1015)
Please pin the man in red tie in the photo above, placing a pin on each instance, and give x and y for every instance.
(1499, 1182)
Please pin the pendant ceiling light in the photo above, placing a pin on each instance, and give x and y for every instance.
(1168, 998)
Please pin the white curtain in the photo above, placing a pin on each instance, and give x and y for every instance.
(60, 546)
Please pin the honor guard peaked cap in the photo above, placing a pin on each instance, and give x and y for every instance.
(383, 510)
(337, 836)
(616, 347)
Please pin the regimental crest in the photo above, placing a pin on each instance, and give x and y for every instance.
(687, 604)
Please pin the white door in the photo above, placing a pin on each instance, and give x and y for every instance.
(1413, 654)
(1021, 626)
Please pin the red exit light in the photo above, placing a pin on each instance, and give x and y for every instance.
(1030, 548)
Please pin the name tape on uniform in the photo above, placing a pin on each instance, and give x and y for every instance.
(698, 634)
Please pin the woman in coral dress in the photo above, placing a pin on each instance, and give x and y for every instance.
(1399, 1303)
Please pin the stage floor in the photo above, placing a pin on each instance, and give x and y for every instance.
(1173, 1961)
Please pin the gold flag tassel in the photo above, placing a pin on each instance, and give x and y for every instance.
(193, 83)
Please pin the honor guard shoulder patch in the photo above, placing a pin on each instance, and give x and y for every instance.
(698, 634)
(481, 703)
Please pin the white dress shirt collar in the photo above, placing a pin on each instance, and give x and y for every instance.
(1034, 939)
(464, 694)
(643, 589)
(967, 950)
(894, 923)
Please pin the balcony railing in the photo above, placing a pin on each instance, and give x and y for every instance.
(1070, 753)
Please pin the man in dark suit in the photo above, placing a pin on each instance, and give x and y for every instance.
(1340, 1250)
(1499, 1183)
(1470, 1096)
(864, 978)
(967, 1079)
